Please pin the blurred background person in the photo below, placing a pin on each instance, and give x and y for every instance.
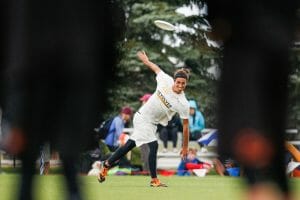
(45, 157)
(257, 37)
(145, 98)
(170, 132)
(227, 167)
(59, 59)
(196, 121)
(186, 166)
(116, 128)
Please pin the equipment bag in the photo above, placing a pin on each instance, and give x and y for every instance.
(103, 130)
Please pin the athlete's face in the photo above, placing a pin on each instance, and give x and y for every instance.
(179, 85)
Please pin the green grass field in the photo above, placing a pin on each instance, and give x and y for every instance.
(211, 187)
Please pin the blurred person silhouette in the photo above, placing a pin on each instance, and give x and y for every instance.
(45, 157)
(116, 128)
(208, 139)
(292, 160)
(170, 132)
(145, 98)
(196, 119)
(186, 166)
(59, 58)
(257, 37)
(226, 167)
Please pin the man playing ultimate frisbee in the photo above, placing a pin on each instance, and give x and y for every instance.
(168, 99)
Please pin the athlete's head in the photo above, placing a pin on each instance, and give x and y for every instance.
(181, 77)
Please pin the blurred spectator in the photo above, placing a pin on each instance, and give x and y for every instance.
(116, 128)
(293, 164)
(102, 147)
(209, 138)
(170, 132)
(196, 121)
(145, 98)
(186, 166)
(94, 171)
(227, 167)
(97, 152)
(293, 151)
(45, 158)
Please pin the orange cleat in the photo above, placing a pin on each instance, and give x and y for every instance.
(157, 183)
(103, 173)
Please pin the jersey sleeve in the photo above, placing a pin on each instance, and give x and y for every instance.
(184, 114)
(164, 79)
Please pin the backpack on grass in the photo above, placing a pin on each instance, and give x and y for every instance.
(103, 130)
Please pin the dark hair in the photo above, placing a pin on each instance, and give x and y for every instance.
(182, 73)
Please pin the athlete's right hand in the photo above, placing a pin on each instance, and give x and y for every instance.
(142, 56)
(183, 153)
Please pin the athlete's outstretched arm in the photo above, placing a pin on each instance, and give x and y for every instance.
(185, 141)
(144, 58)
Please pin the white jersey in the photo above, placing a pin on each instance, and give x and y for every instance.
(164, 103)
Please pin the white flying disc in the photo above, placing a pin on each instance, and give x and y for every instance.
(164, 25)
